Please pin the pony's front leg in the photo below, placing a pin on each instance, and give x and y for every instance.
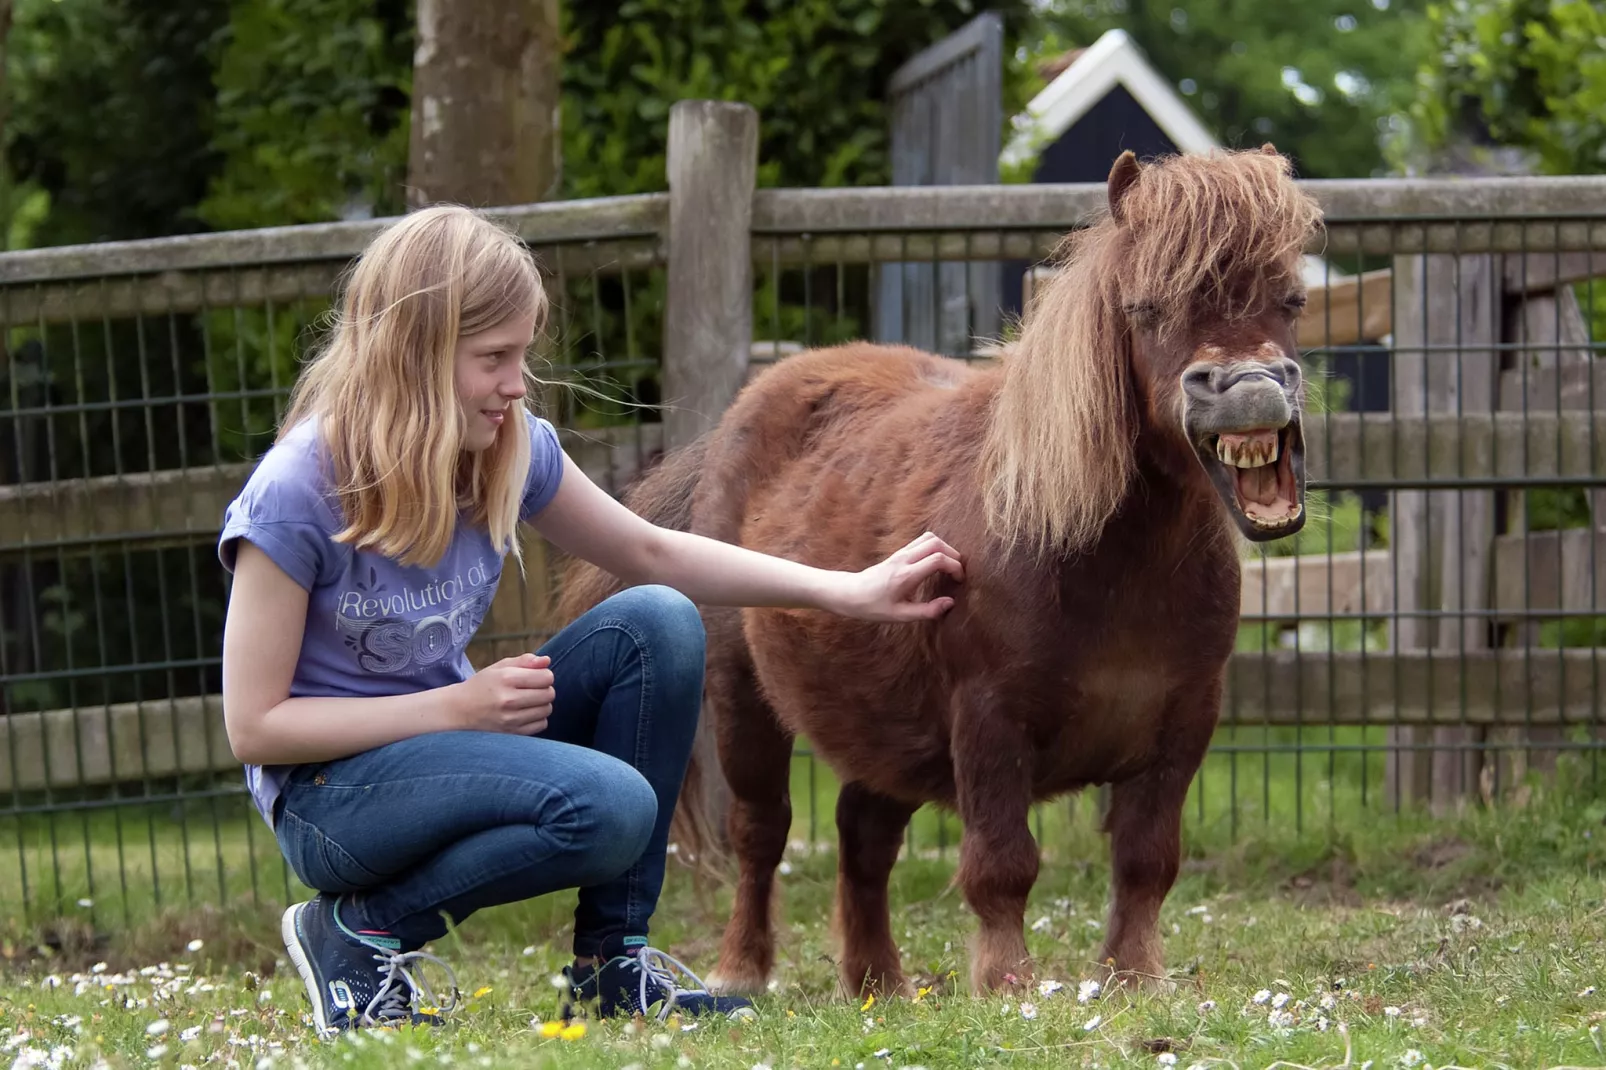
(1145, 827)
(993, 770)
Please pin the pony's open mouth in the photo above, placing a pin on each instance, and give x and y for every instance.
(1258, 473)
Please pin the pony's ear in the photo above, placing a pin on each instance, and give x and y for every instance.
(1269, 149)
(1122, 175)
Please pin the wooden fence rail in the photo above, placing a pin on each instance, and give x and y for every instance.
(1343, 448)
(133, 742)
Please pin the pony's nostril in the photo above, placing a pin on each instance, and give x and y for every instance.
(1196, 380)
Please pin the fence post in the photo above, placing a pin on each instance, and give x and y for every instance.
(1550, 377)
(708, 316)
(1443, 541)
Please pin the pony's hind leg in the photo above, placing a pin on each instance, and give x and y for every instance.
(755, 755)
(998, 859)
(870, 828)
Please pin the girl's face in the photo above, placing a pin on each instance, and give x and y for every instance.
(489, 371)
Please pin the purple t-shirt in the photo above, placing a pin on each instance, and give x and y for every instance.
(374, 626)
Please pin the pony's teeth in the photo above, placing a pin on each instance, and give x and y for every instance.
(1251, 454)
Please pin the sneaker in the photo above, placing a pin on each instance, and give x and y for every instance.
(356, 978)
(637, 979)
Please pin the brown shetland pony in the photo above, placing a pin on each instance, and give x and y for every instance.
(1092, 479)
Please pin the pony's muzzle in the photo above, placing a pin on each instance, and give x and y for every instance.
(1243, 396)
(1210, 380)
(1243, 420)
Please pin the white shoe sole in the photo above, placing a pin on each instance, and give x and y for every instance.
(292, 944)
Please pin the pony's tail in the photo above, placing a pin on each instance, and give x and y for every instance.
(664, 497)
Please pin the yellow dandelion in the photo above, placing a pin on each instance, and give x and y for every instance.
(869, 1001)
(431, 1011)
(483, 990)
(551, 1029)
(791, 1014)
(922, 993)
(573, 1032)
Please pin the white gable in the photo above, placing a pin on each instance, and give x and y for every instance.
(1114, 59)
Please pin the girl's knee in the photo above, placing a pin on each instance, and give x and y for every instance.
(617, 820)
(666, 619)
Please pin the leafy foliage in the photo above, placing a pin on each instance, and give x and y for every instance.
(312, 106)
(1529, 74)
(816, 71)
(111, 114)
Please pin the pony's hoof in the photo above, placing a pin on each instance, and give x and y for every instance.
(1019, 978)
(723, 984)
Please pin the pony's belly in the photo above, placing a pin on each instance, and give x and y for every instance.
(868, 727)
(911, 769)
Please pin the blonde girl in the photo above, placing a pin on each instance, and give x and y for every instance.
(403, 785)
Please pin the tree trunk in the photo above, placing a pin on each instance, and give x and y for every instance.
(485, 103)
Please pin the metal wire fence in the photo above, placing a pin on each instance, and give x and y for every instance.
(1432, 636)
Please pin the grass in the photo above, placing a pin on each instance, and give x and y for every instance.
(1471, 941)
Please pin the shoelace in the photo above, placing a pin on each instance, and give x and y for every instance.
(655, 966)
(394, 1001)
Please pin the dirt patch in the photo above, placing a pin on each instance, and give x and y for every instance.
(1438, 854)
(1332, 883)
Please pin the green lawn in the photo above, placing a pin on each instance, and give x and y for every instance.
(1367, 937)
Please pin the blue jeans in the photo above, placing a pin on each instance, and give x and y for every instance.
(450, 822)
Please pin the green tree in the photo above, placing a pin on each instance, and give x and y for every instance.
(1513, 74)
(311, 112)
(816, 70)
(1319, 78)
(110, 115)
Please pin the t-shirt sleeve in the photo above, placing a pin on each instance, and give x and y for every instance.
(546, 467)
(286, 517)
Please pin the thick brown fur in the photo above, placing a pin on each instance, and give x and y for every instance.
(1089, 638)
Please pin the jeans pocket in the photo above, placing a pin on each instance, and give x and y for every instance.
(319, 862)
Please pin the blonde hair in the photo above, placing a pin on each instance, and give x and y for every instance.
(383, 388)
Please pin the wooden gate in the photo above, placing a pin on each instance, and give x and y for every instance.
(947, 117)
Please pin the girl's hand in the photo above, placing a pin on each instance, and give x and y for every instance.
(514, 696)
(887, 591)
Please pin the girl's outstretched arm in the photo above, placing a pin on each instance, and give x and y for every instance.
(585, 521)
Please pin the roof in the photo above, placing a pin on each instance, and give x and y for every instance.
(1114, 59)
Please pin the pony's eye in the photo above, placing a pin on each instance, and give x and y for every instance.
(1143, 313)
(1294, 302)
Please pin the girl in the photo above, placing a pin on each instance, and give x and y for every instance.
(404, 786)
